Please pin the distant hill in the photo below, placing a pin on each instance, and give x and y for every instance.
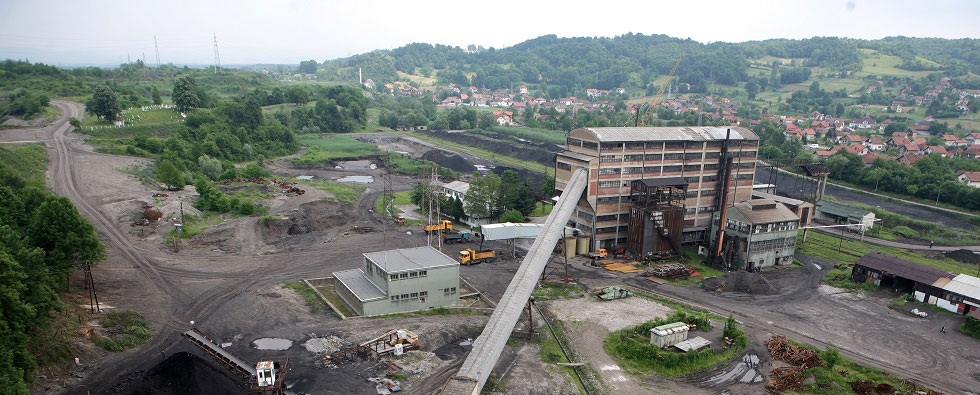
(558, 67)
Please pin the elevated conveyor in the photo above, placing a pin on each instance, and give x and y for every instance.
(232, 362)
(488, 346)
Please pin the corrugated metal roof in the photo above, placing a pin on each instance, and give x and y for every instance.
(408, 259)
(906, 269)
(965, 285)
(676, 133)
(667, 329)
(359, 285)
(762, 211)
(841, 210)
(458, 186)
(781, 199)
(506, 231)
(695, 343)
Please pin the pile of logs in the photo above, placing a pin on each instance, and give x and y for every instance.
(785, 379)
(672, 270)
(863, 387)
(782, 350)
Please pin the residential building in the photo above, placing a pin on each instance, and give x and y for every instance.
(971, 178)
(617, 156)
(760, 233)
(399, 281)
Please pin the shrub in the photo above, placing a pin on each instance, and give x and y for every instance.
(971, 327)
(905, 232)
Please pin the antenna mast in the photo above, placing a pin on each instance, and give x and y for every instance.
(157, 50)
(217, 59)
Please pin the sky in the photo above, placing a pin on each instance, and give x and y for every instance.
(107, 33)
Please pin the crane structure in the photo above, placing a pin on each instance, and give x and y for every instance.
(641, 119)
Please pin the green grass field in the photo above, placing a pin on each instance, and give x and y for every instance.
(321, 148)
(876, 63)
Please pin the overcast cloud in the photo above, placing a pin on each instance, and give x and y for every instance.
(72, 32)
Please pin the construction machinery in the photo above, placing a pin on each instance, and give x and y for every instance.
(442, 225)
(455, 237)
(470, 256)
(598, 254)
(642, 117)
(266, 377)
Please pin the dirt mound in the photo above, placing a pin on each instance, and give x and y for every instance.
(744, 282)
(309, 217)
(963, 255)
(452, 161)
(181, 373)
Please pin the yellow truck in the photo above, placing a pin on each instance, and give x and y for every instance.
(442, 225)
(470, 256)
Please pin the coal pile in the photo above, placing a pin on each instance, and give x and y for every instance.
(963, 255)
(743, 282)
(182, 373)
(451, 161)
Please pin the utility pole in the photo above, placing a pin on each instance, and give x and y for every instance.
(217, 59)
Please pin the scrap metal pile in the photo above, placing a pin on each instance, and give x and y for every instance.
(789, 378)
(673, 270)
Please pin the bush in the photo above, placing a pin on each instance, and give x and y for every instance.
(127, 329)
(905, 232)
(971, 327)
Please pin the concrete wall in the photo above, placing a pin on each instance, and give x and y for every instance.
(349, 299)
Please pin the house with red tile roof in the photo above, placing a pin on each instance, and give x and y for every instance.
(971, 178)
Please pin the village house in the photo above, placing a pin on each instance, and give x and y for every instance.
(971, 178)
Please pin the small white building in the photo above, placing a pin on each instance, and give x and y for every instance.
(669, 334)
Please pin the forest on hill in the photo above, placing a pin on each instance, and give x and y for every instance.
(563, 66)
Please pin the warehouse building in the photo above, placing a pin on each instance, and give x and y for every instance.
(399, 281)
(959, 293)
(618, 156)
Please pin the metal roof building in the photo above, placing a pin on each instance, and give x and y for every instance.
(958, 293)
(399, 281)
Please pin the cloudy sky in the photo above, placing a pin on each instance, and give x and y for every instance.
(99, 32)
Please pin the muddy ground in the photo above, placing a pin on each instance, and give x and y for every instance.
(228, 281)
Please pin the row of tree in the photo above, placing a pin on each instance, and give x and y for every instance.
(42, 239)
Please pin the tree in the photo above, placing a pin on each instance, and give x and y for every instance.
(170, 175)
(307, 66)
(512, 215)
(483, 197)
(64, 235)
(454, 208)
(155, 95)
(185, 95)
(296, 94)
(515, 194)
(104, 104)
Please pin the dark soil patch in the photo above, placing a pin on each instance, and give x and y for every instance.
(452, 161)
(963, 255)
(743, 282)
(502, 144)
(453, 349)
(181, 373)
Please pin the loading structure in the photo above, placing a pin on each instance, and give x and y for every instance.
(487, 347)
(657, 216)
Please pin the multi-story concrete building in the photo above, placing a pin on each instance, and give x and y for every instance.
(617, 156)
(760, 233)
(399, 281)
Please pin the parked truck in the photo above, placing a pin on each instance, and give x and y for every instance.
(455, 237)
(598, 254)
(470, 256)
(442, 225)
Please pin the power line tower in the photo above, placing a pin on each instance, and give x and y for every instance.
(157, 50)
(217, 59)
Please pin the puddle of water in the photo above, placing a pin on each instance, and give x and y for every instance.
(272, 343)
(360, 179)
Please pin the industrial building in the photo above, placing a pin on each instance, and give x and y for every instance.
(399, 281)
(860, 220)
(692, 161)
(959, 293)
(760, 233)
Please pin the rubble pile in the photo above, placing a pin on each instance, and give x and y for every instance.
(672, 270)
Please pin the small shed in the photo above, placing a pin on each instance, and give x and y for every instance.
(669, 334)
(859, 220)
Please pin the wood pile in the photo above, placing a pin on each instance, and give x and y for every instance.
(785, 379)
(782, 350)
(863, 387)
(672, 270)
